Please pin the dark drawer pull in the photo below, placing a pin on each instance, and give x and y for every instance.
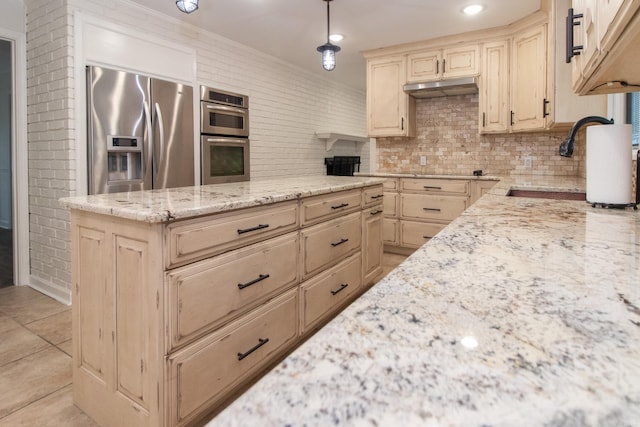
(343, 205)
(340, 289)
(261, 342)
(378, 196)
(340, 242)
(247, 230)
(376, 212)
(426, 237)
(431, 209)
(260, 278)
(428, 187)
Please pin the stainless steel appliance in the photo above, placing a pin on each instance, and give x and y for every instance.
(223, 113)
(140, 132)
(224, 136)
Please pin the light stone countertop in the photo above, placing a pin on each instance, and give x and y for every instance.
(178, 203)
(549, 290)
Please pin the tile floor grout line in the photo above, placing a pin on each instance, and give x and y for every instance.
(36, 352)
(37, 400)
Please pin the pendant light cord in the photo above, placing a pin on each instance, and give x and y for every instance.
(328, 17)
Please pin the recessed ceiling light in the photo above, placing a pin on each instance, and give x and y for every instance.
(336, 37)
(473, 9)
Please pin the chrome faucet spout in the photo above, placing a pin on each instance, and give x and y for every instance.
(566, 148)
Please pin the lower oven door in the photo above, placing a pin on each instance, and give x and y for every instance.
(224, 159)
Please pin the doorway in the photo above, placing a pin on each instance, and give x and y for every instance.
(6, 172)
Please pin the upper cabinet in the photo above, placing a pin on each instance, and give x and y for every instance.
(565, 106)
(462, 61)
(494, 88)
(528, 80)
(606, 38)
(390, 111)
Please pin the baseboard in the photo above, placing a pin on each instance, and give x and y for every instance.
(51, 289)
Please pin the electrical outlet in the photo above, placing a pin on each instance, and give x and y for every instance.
(527, 161)
(423, 160)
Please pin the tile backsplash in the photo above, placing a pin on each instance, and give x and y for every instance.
(447, 134)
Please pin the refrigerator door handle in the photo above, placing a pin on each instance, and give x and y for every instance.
(160, 146)
(148, 148)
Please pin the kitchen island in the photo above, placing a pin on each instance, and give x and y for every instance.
(522, 311)
(181, 297)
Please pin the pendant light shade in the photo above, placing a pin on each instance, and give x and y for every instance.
(328, 49)
(187, 6)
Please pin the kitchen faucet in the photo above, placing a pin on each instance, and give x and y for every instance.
(566, 148)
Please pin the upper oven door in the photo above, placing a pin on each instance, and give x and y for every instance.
(223, 120)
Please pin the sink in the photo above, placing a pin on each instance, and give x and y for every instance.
(556, 195)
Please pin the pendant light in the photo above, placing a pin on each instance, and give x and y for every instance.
(328, 49)
(187, 6)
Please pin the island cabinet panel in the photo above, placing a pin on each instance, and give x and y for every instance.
(201, 374)
(325, 244)
(204, 295)
(117, 319)
(328, 291)
(372, 243)
(172, 319)
(196, 239)
(316, 209)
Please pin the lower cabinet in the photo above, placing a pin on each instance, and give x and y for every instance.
(170, 323)
(416, 209)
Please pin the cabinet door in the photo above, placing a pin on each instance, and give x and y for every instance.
(372, 243)
(494, 88)
(389, 109)
(460, 62)
(390, 231)
(606, 14)
(424, 66)
(528, 79)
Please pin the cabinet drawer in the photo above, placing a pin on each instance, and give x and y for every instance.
(326, 292)
(430, 185)
(415, 234)
(204, 295)
(196, 239)
(422, 206)
(372, 195)
(325, 244)
(315, 209)
(203, 373)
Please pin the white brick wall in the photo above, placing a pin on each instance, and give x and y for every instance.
(288, 105)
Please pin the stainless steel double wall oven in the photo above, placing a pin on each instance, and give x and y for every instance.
(224, 132)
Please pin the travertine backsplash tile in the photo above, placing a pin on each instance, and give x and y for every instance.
(447, 133)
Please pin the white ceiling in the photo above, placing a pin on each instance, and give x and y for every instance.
(292, 29)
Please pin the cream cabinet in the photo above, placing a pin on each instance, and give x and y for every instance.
(461, 61)
(494, 88)
(390, 111)
(565, 107)
(171, 319)
(528, 80)
(423, 207)
(609, 33)
(479, 188)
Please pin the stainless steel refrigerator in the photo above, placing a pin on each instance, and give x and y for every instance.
(140, 132)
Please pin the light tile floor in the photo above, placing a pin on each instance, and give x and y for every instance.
(35, 358)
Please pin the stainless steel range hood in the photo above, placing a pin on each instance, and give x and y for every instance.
(461, 86)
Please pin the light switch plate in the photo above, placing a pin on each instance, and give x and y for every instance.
(423, 160)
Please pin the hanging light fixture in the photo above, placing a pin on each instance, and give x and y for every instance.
(328, 49)
(187, 6)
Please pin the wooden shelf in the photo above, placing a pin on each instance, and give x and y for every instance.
(331, 138)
